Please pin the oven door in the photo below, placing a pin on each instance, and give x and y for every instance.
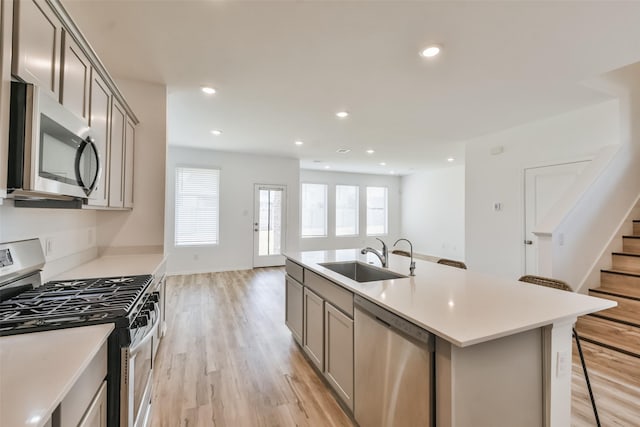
(51, 151)
(136, 375)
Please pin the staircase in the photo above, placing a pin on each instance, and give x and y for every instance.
(612, 337)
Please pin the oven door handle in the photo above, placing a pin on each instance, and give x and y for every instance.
(133, 350)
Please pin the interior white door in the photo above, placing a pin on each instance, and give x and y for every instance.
(269, 225)
(544, 186)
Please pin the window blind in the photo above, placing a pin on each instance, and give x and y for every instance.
(197, 206)
(376, 211)
(314, 210)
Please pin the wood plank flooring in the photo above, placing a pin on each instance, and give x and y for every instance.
(228, 360)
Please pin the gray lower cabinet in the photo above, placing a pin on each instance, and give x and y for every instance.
(96, 415)
(293, 312)
(313, 336)
(338, 352)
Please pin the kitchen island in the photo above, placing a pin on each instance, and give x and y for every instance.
(502, 348)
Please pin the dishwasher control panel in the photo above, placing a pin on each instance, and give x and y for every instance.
(394, 321)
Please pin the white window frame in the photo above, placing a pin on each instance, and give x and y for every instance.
(357, 212)
(326, 210)
(214, 238)
(386, 211)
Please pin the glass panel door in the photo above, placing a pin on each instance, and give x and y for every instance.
(269, 225)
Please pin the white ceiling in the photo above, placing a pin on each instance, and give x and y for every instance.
(282, 69)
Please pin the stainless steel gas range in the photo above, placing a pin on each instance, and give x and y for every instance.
(131, 303)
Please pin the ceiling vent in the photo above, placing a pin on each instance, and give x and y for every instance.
(343, 150)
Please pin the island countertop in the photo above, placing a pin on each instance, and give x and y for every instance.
(38, 369)
(461, 306)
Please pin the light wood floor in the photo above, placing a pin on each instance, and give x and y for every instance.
(228, 360)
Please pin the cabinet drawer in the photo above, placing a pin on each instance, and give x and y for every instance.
(294, 270)
(335, 294)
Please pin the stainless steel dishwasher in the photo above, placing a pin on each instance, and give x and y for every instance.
(394, 369)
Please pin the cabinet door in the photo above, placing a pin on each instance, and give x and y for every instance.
(293, 314)
(116, 159)
(76, 78)
(96, 415)
(338, 347)
(129, 149)
(313, 336)
(99, 121)
(37, 44)
(6, 8)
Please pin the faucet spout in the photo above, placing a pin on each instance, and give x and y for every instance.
(383, 256)
(412, 266)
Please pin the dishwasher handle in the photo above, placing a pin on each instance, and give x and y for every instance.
(396, 322)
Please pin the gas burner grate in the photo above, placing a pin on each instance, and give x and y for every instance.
(73, 301)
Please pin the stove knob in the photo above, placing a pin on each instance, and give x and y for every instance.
(142, 320)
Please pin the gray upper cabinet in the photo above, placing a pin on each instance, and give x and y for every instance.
(118, 120)
(76, 78)
(338, 356)
(313, 336)
(100, 106)
(6, 8)
(293, 314)
(41, 45)
(37, 43)
(129, 150)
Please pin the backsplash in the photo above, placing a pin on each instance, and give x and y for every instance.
(68, 237)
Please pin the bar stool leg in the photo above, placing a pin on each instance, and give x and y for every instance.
(586, 377)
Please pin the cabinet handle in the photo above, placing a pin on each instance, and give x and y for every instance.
(528, 242)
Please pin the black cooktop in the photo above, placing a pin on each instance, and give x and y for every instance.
(69, 303)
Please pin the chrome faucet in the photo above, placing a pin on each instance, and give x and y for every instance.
(412, 266)
(383, 257)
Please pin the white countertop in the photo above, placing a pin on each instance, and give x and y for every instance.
(38, 369)
(460, 306)
(117, 265)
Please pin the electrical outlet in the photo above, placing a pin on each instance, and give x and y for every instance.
(563, 365)
(48, 246)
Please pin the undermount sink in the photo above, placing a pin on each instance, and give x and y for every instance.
(361, 272)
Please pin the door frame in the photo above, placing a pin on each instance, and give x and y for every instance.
(278, 259)
(585, 160)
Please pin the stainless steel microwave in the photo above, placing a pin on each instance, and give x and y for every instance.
(51, 151)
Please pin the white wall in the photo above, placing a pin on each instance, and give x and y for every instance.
(141, 229)
(71, 232)
(494, 240)
(362, 180)
(433, 212)
(238, 174)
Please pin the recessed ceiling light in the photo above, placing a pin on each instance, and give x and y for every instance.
(450, 159)
(327, 167)
(208, 90)
(298, 142)
(343, 150)
(216, 132)
(342, 114)
(370, 151)
(382, 164)
(430, 51)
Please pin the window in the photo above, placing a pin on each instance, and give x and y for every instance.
(197, 200)
(376, 211)
(346, 210)
(314, 210)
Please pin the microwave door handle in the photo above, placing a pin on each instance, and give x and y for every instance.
(94, 183)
